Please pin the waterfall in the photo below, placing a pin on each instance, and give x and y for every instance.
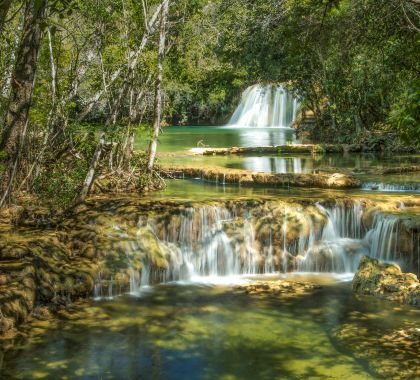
(340, 248)
(285, 253)
(134, 276)
(343, 221)
(391, 187)
(382, 238)
(265, 106)
(220, 241)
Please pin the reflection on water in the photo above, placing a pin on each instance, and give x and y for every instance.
(266, 136)
(203, 332)
(277, 165)
(196, 189)
(366, 166)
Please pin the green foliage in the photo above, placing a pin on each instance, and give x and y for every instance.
(351, 62)
(62, 176)
(405, 114)
(60, 184)
(147, 181)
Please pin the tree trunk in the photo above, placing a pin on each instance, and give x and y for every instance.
(9, 70)
(133, 59)
(158, 94)
(53, 79)
(111, 119)
(22, 85)
(4, 10)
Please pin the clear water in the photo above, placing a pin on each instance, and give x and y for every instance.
(175, 139)
(196, 189)
(208, 332)
(174, 143)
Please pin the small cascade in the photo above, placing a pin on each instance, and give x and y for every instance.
(382, 238)
(341, 255)
(391, 187)
(97, 290)
(269, 264)
(340, 248)
(343, 222)
(285, 253)
(265, 106)
(111, 288)
(220, 241)
(134, 276)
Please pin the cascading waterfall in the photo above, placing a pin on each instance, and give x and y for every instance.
(382, 238)
(285, 251)
(219, 241)
(391, 187)
(265, 106)
(340, 247)
(134, 276)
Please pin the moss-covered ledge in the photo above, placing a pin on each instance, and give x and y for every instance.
(292, 148)
(277, 149)
(248, 178)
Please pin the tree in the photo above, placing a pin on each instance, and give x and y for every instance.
(16, 122)
(158, 94)
(4, 10)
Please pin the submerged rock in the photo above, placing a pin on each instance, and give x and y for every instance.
(391, 356)
(387, 281)
(401, 169)
(278, 287)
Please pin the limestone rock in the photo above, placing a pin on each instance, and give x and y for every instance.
(387, 281)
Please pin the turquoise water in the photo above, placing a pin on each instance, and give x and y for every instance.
(174, 139)
(366, 166)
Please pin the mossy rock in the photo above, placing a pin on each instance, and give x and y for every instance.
(386, 281)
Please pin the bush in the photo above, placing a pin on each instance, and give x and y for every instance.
(405, 115)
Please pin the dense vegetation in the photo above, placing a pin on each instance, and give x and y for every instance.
(78, 79)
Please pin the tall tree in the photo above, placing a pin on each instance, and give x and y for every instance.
(158, 94)
(132, 61)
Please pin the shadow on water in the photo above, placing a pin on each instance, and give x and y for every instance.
(203, 332)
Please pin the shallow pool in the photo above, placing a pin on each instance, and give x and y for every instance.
(210, 332)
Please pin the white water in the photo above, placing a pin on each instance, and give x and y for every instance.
(391, 187)
(214, 242)
(280, 165)
(265, 106)
(383, 238)
(217, 244)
